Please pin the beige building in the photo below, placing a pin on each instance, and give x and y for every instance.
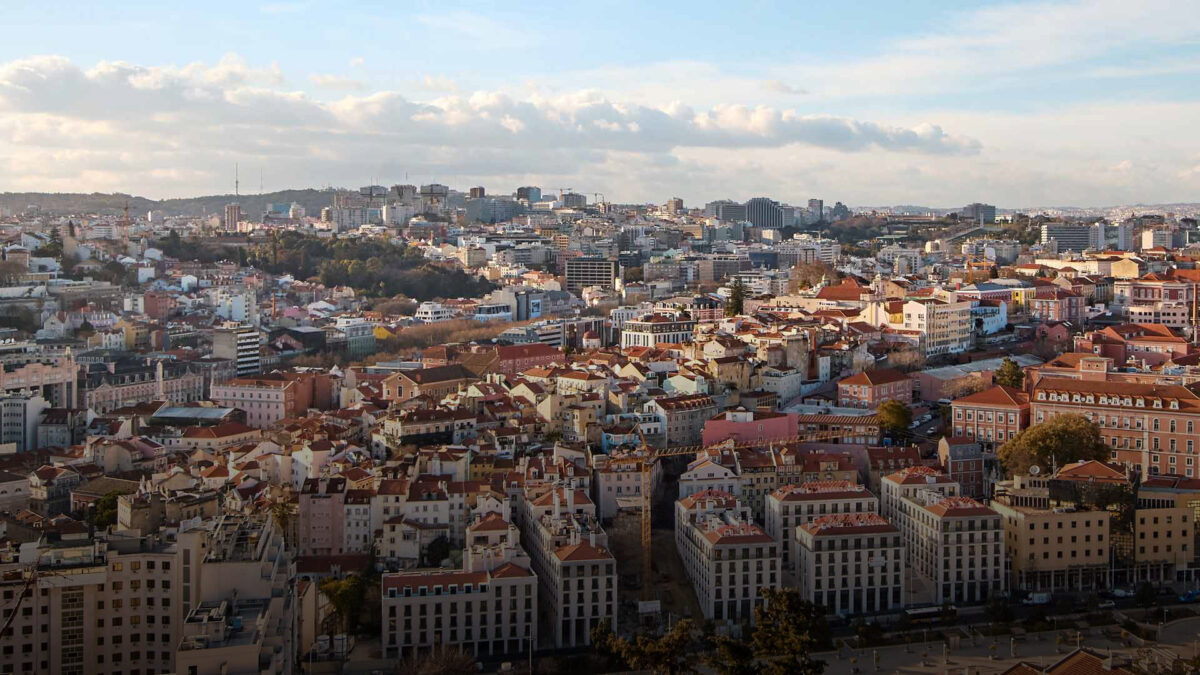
(956, 544)
(851, 563)
(793, 505)
(576, 572)
(488, 608)
(728, 558)
(907, 482)
(93, 606)
(1051, 549)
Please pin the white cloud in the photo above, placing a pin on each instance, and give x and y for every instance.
(780, 87)
(357, 62)
(337, 82)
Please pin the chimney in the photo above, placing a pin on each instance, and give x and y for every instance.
(592, 538)
(557, 509)
(570, 492)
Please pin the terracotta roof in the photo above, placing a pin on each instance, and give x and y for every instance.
(582, 551)
(821, 490)
(848, 523)
(958, 507)
(875, 377)
(998, 395)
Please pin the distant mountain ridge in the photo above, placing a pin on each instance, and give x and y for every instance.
(67, 203)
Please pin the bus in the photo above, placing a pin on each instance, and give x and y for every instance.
(927, 615)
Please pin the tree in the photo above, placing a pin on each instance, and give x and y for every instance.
(807, 275)
(1060, 440)
(963, 386)
(103, 514)
(444, 662)
(998, 610)
(437, 551)
(668, 654)
(284, 515)
(347, 597)
(1009, 374)
(11, 272)
(731, 657)
(737, 298)
(894, 416)
(1145, 596)
(788, 628)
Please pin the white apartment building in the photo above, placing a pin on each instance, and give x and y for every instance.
(955, 543)
(851, 563)
(619, 483)
(488, 608)
(93, 605)
(653, 329)
(433, 312)
(793, 505)
(728, 558)
(944, 327)
(906, 482)
(577, 574)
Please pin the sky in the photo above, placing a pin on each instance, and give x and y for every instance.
(1018, 104)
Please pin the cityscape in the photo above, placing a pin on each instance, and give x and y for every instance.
(338, 377)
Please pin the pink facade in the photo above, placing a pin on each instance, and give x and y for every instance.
(322, 516)
(745, 426)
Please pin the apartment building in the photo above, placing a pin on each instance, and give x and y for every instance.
(576, 572)
(955, 543)
(239, 343)
(103, 605)
(1151, 426)
(487, 608)
(265, 399)
(793, 505)
(584, 272)
(235, 605)
(870, 388)
(907, 482)
(851, 563)
(728, 558)
(1052, 548)
(653, 329)
(992, 416)
(962, 460)
(681, 418)
(943, 327)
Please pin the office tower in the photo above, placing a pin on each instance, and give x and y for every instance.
(584, 272)
(530, 193)
(816, 210)
(764, 212)
(978, 213)
(1124, 238)
(573, 200)
(674, 205)
(477, 192)
(1074, 237)
(233, 215)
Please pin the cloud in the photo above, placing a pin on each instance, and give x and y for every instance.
(338, 82)
(477, 31)
(437, 83)
(780, 88)
(357, 62)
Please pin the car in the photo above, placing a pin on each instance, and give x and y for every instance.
(926, 417)
(1106, 604)
(1190, 596)
(1121, 593)
(944, 401)
(915, 424)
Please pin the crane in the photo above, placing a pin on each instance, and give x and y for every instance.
(645, 460)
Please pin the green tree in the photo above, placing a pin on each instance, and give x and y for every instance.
(788, 628)
(1009, 374)
(670, 653)
(894, 416)
(1060, 440)
(1145, 596)
(437, 551)
(347, 597)
(731, 657)
(998, 610)
(737, 298)
(103, 514)
(444, 662)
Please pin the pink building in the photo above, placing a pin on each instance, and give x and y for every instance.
(747, 426)
(870, 388)
(322, 516)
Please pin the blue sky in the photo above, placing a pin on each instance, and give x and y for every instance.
(1016, 103)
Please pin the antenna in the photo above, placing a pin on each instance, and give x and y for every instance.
(236, 183)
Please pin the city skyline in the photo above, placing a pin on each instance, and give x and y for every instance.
(1015, 104)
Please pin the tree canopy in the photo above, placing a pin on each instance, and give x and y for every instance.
(1060, 440)
(807, 275)
(1009, 374)
(894, 416)
(789, 628)
(668, 654)
(737, 298)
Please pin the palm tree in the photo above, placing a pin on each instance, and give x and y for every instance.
(283, 515)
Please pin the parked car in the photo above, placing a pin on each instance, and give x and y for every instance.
(1121, 593)
(1190, 596)
(1036, 599)
(1107, 604)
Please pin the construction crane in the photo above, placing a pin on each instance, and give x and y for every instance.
(649, 455)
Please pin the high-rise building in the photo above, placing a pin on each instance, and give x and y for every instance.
(674, 205)
(1072, 237)
(764, 212)
(816, 210)
(573, 200)
(978, 213)
(233, 215)
(477, 192)
(1124, 236)
(529, 193)
(239, 343)
(584, 272)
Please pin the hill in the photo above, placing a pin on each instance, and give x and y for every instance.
(66, 203)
